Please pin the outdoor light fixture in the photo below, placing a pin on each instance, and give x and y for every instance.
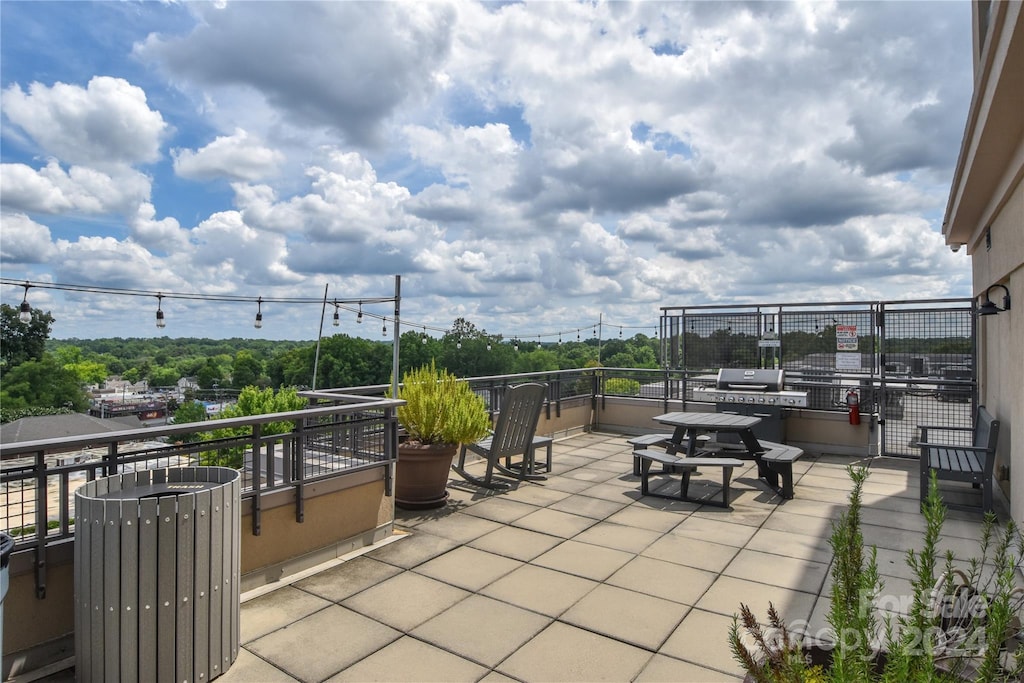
(423, 337)
(25, 312)
(336, 320)
(989, 308)
(384, 329)
(160, 322)
(458, 344)
(359, 317)
(259, 313)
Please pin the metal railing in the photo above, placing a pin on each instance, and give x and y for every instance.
(337, 435)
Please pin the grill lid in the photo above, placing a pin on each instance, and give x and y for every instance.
(764, 379)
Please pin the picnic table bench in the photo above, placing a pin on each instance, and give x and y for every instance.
(777, 460)
(674, 464)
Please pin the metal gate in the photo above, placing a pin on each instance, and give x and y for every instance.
(913, 362)
(928, 373)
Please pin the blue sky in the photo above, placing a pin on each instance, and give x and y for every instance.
(527, 166)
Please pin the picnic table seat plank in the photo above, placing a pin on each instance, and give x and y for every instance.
(674, 464)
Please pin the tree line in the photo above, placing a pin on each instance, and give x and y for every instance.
(39, 374)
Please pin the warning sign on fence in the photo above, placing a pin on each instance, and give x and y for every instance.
(846, 337)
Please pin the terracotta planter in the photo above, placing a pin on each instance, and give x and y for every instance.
(421, 475)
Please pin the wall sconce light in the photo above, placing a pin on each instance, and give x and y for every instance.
(989, 308)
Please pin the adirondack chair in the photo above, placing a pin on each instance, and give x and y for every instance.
(973, 464)
(513, 436)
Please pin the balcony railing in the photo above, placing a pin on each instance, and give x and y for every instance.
(337, 435)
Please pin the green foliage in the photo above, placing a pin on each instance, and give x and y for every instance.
(190, 411)
(11, 414)
(246, 370)
(979, 643)
(42, 384)
(251, 401)
(622, 386)
(21, 342)
(440, 408)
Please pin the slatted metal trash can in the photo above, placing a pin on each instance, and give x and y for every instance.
(157, 575)
(6, 546)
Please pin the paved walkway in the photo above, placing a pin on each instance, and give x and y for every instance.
(579, 578)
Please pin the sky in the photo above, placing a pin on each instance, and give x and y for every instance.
(532, 167)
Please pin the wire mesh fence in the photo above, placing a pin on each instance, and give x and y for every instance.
(909, 362)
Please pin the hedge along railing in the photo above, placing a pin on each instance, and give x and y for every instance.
(339, 434)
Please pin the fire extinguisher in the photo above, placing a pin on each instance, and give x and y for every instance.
(853, 405)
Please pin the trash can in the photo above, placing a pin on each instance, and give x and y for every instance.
(157, 575)
(6, 546)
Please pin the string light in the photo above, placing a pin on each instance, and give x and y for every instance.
(160, 322)
(384, 329)
(458, 344)
(359, 316)
(336, 319)
(259, 313)
(423, 337)
(25, 312)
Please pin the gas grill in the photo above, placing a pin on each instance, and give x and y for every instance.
(754, 392)
(752, 387)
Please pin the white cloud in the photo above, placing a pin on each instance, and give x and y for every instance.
(24, 240)
(80, 189)
(108, 122)
(236, 157)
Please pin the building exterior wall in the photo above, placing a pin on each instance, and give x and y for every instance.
(985, 213)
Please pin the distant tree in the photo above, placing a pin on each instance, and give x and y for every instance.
(42, 384)
(246, 370)
(87, 371)
(21, 342)
(536, 360)
(163, 376)
(209, 374)
(252, 401)
(190, 411)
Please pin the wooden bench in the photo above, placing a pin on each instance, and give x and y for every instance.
(777, 460)
(674, 464)
(971, 464)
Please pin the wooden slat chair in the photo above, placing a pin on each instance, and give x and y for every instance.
(513, 436)
(972, 464)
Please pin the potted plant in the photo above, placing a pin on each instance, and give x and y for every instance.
(963, 625)
(440, 413)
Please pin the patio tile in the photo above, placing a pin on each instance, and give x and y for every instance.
(720, 530)
(776, 570)
(248, 667)
(691, 552)
(459, 527)
(482, 629)
(792, 545)
(661, 579)
(646, 518)
(582, 559)
(627, 615)
(804, 504)
(415, 549)
(586, 506)
(792, 523)
(614, 492)
(503, 510)
(410, 660)
(289, 648)
(541, 495)
(566, 653)
(468, 568)
(564, 463)
(726, 594)
(519, 544)
(337, 583)
(664, 669)
(555, 523)
(626, 538)
(276, 610)
(703, 639)
(591, 474)
(539, 589)
(405, 601)
(567, 486)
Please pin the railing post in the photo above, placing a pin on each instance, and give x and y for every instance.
(41, 525)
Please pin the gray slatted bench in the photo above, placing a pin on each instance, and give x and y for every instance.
(639, 443)
(673, 464)
(778, 459)
(973, 464)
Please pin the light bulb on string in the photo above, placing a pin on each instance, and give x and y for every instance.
(25, 311)
(336, 318)
(259, 313)
(160, 322)
(515, 344)
(423, 336)
(458, 344)
(384, 329)
(488, 344)
(359, 316)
